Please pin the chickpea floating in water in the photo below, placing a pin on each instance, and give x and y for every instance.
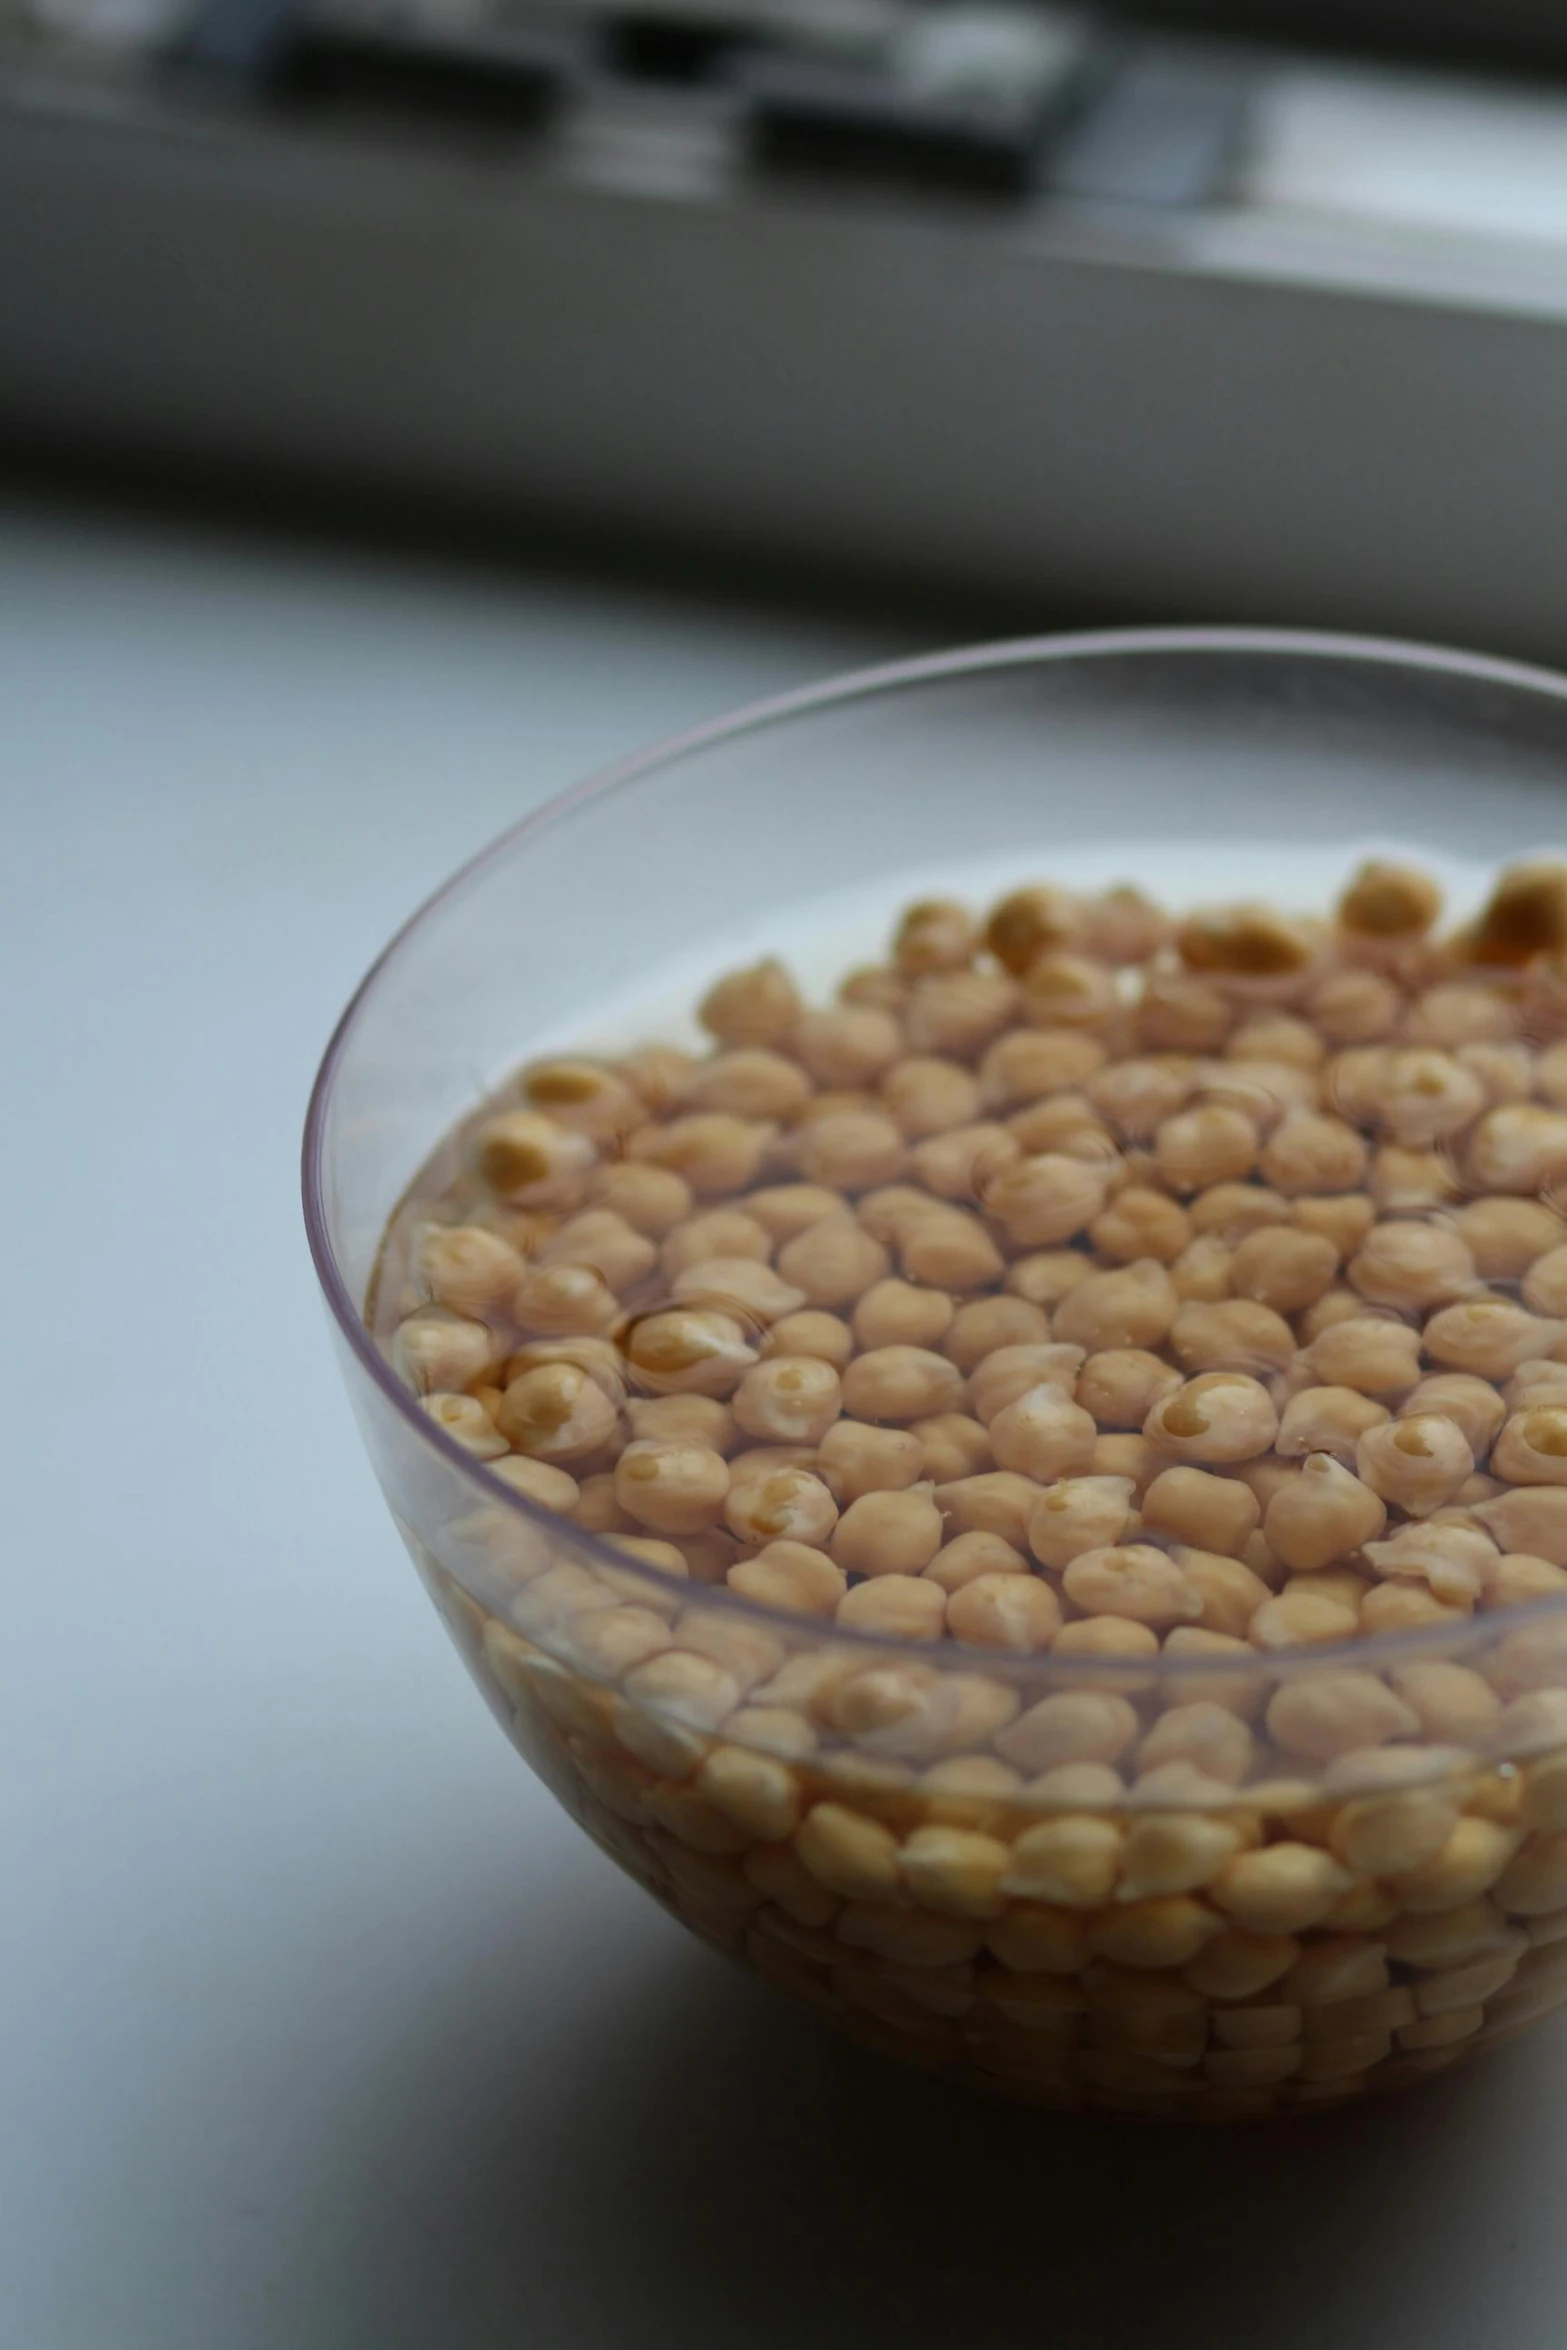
(758, 1006)
(1532, 1448)
(1222, 1416)
(529, 1160)
(1417, 1461)
(442, 1352)
(1324, 1514)
(557, 1413)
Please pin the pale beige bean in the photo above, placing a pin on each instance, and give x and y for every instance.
(1326, 1714)
(1507, 1236)
(955, 1871)
(952, 1445)
(784, 1504)
(1409, 1263)
(1040, 1201)
(790, 1575)
(833, 1262)
(927, 1096)
(739, 1286)
(785, 1210)
(714, 1151)
(1077, 1514)
(1280, 1889)
(563, 1301)
(1006, 1610)
(1237, 1964)
(1513, 1579)
(1211, 1143)
(1544, 1289)
(756, 1006)
(1344, 1218)
(950, 1249)
(1405, 1607)
(849, 1048)
(989, 1326)
(467, 1268)
(848, 1853)
(1029, 1064)
(959, 1163)
(791, 1399)
(1072, 1726)
(1168, 1931)
(888, 1533)
(557, 1412)
(1221, 1416)
(992, 1501)
(1454, 1704)
(1472, 1404)
(1417, 1461)
(1531, 1519)
(1469, 1863)
(1453, 1558)
(1532, 1448)
(652, 1200)
(466, 1421)
(857, 1459)
(1212, 1513)
(1490, 1337)
(956, 1013)
(532, 1161)
(1133, 1580)
(1025, 924)
(1140, 1222)
(1353, 1007)
(724, 1233)
(603, 1240)
(441, 1352)
(1311, 1151)
(1323, 1514)
(1135, 1305)
(1301, 1619)
(1236, 1335)
(1120, 1386)
(1043, 1435)
(937, 934)
(895, 1607)
(1062, 990)
(1403, 1181)
(1232, 1212)
(1180, 1013)
(901, 1383)
(1283, 1269)
(968, 1556)
(850, 1150)
(1009, 1374)
(688, 1350)
(1111, 1637)
(1329, 1420)
(1174, 1852)
(1202, 1735)
(1519, 1148)
(750, 1081)
(896, 1313)
(811, 1331)
(1372, 1355)
(1073, 1861)
(675, 1488)
(1136, 1096)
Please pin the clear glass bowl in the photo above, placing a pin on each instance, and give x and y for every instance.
(910, 1877)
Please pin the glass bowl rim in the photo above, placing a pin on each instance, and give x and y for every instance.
(925, 669)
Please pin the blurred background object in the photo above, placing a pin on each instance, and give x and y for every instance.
(1192, 308)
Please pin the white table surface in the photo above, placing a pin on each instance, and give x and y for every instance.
(323, 2028)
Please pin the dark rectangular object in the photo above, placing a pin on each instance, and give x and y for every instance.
(667, 46)
(854, 122)
(1510, 36)
(508, 76)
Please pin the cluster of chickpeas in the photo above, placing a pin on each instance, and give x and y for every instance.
(1103, 1319)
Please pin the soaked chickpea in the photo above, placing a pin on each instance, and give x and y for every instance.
(896, 1313)
(1417, 1461)
(935, 935)
(1221, 1416)
(758, 1006)
(833, 1262)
